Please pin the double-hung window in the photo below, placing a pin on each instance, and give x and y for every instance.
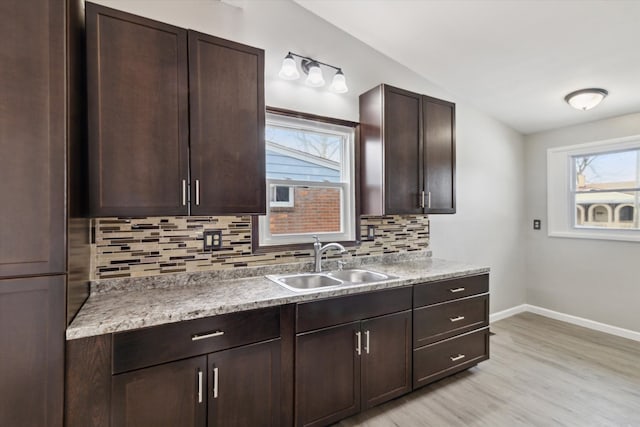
(310, 181)
(594, 190)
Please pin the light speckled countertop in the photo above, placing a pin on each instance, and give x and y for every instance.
(164, 299)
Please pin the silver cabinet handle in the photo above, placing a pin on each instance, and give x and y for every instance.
(198, 337)
(359, 343)
(199, 386)
(184, 192)
(215, 383)
(422, 199)
(456, 319)
(197, 192)
(458, 357)
(455, 290)
(429, 200)
(366, 341)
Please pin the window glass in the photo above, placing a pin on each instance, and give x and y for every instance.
(606, 189)
(309, 174)
(593, 190)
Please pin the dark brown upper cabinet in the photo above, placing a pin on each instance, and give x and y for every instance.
(32, 138)
(227, 126)
(146, 82)
(138, 113)
(408, 153)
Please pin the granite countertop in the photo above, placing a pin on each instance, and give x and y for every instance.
(116, 306)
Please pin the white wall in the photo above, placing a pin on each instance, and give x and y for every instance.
(488, 227)
(594, 279)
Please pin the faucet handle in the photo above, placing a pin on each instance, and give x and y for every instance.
(341, 265)
(317, 239)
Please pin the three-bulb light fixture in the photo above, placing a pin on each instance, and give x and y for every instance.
(311, 68)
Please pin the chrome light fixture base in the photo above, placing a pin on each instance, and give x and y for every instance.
(586, 99)
(311, 68)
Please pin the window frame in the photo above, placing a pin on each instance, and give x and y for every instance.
(561, 206)
(259, 246)
(280, 204)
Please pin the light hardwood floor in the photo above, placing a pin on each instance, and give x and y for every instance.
(542, 372)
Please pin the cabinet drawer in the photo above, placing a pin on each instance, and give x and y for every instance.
(437, 322)
(435, 361)
(166, 343)
(334, 311)
(446, 290)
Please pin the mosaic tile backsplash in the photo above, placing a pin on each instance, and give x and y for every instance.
(126, 247)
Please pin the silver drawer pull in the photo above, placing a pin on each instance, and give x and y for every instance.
(456, 319)
(458, 357)
(456, 290)
(198, 337)
(199, 386)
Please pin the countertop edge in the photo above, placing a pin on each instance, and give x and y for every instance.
(289, 297)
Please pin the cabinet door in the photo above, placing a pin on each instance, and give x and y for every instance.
(439, 155)
(402, 151)
(327, 379)
(137, 82)
(244, 386)
(169, 395)
(32, 137)
(226, 81)
(32, 351)
(386, 362)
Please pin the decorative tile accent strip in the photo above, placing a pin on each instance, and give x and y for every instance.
(138, 247)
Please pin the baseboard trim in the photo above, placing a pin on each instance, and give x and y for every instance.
(507, 313)
(575, 320)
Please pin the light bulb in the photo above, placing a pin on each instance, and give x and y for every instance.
(339, 83)
(289, 70)
(315, 79)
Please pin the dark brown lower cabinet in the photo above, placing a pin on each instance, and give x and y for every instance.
(435, 361)
(327, 375)
(245, 386)
(386, 365)
(236, 387)
(343, 369)
(32, 322)
(169, 395)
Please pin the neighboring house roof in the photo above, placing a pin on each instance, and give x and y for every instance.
(611, 197)
(286, 163)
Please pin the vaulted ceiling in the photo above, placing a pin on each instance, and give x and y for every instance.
(513, 59)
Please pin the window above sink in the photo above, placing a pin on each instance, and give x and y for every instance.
(310, 177)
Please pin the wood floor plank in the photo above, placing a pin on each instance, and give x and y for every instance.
(542, 372)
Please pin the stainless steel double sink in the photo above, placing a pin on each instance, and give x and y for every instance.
(328, 280)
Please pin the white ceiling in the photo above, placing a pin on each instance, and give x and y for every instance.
(514, 59)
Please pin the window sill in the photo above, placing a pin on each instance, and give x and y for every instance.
(595, 234)
(298, 247)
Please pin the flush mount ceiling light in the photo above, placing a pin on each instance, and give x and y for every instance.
(586, 99)
(312, 69)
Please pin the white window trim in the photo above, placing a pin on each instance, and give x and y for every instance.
(560, 203)
(280, 204)
(348, 218)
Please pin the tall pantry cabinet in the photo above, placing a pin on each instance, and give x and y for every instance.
(34, 113)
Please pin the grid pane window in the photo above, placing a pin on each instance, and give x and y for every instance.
(606, 190)
(309, 174)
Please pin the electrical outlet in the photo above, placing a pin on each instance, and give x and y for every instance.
(537, 224)
(212, 240)
(371, 232)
